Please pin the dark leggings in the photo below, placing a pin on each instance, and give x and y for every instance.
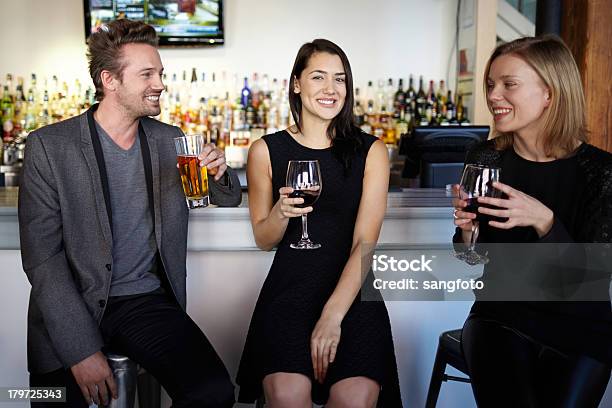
(509, 369)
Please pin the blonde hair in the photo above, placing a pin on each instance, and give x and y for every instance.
(565, 118)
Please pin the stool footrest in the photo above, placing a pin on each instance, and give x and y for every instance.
(453, 378)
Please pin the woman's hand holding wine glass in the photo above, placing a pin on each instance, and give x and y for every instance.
(290, 207)
(476, 181)
(520, 209)
(463, 219)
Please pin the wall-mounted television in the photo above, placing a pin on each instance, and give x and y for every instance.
(177, 22)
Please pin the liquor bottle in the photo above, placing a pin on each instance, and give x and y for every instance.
(74, 106)
(261, 118)
(441, 94)
(370, 94)
(368, 118)
(165, 104)
(459, 109)
(283, 103)
(265, 93)
(421, 101)
(416, 117)
(175, 115)
(375, 121)
(7, 110)
(31, 112)
(35, 92)
(255, 91)
(173, 88)
(450, 107)
(203, 86)
(213, 90)
(184, 90)
(390, 96)
(401, 126)
(432, 106)
(274, 90)
(410, 119)
(273, 113)
(246, 97)
(399, 100)
(381, 99)
(386, 124)
(224, 87)
(20, 103)
(256, 96)
(9, 85)
(358, 110)
(193, 101)
(410, 92)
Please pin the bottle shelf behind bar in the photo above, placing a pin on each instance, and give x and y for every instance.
(232, 111)
(390, 113)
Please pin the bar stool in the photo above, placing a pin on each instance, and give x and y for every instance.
(129, 379)
(449, 352)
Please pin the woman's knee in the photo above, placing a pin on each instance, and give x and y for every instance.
(355, 392)
(287, 390)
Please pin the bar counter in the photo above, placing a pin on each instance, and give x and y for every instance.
(229, 229)
(225, 271)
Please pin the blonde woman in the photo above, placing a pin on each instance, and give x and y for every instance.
(557, 189)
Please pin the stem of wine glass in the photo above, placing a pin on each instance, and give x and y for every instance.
(474, 236)
(304, 227)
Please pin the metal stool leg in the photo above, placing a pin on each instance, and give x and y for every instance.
(149, 391)
(125, 373)
(437, 376)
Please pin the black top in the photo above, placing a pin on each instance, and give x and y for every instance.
(301, 281)
(578, 189)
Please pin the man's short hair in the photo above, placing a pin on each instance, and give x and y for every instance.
(105, 48)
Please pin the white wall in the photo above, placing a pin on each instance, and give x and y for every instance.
(388, 38)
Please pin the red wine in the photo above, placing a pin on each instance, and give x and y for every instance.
(309, 196)
(472, 206)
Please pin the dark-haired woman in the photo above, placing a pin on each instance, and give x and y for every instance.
(558, 195)
(311, 338)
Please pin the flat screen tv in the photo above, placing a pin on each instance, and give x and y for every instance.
(436, 154)
(177, 22)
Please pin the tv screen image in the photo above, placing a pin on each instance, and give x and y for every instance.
(177, 22)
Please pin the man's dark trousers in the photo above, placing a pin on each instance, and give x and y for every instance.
(152, 330)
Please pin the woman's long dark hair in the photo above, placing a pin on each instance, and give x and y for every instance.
(342, 131)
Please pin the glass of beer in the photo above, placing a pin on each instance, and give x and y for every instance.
(193, 176)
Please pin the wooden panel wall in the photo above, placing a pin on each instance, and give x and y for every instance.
(486, 16)
(587, 30)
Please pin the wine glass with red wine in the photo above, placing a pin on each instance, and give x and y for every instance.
(304, 177)
(476, 181)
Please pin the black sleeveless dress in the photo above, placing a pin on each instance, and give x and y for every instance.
(301, 281)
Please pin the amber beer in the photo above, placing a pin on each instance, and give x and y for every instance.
(193, 176)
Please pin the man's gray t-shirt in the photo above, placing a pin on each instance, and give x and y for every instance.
(134, 247)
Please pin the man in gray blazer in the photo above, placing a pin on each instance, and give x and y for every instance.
(103, 224)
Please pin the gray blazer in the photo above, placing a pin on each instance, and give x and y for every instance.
(66, 236)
